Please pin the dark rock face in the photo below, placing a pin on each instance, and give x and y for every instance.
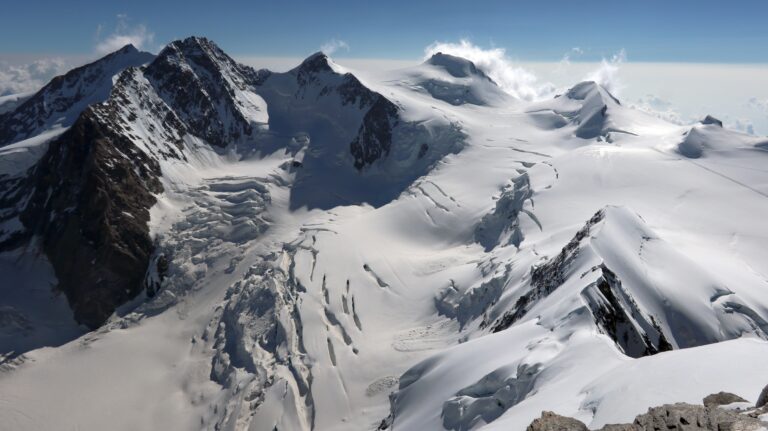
(553, 422)
(353, 92)
(712, 120)
(67, 95)
(762, 400)
(617, 314)
(374, 139)
(198, 81)
(721, 399)
(308, 71)
(89, 204)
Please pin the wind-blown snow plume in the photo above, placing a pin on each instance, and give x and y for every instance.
(495, 63)
(607, 74)
(334, 45)
(574, 52)
(124, 34)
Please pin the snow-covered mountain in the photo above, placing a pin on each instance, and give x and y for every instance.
(190, 243)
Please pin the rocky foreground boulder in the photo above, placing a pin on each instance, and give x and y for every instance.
(553, 422)
(722, 399)
(722, 411)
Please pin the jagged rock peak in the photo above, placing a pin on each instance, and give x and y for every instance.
(196, 48)
(127, 49)
(315, 63)
(712, 120)
(458, 67)
(195, 42)
(592, 118)
(588, 89)
(201, 83)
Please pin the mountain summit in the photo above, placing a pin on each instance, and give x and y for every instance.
(456, 66)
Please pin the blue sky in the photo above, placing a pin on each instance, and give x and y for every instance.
(650, 30)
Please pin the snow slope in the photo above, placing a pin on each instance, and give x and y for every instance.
(555, 255)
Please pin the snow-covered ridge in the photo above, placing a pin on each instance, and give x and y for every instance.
(411, 250)
(456, 81)
(60, 102)
(455, 66)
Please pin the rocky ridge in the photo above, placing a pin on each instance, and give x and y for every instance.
(718, 412)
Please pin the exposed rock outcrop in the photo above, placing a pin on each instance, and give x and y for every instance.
(721, 399)
(553, 422)
(762, 400)
(617, 314)
(683, 416)
(374, 139)
(678, 416)
(712, 120)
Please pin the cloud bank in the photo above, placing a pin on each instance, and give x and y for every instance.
(25, 78)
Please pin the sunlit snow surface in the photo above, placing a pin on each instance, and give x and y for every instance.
(280, 318)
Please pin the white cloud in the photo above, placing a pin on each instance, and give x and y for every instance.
(741, 124)
(495, 63)
(607, 74)
(333, 45)
(761, 104)
(123, 34)
(661, 108)
(664, 109)
(574, 52)
(29, 77)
